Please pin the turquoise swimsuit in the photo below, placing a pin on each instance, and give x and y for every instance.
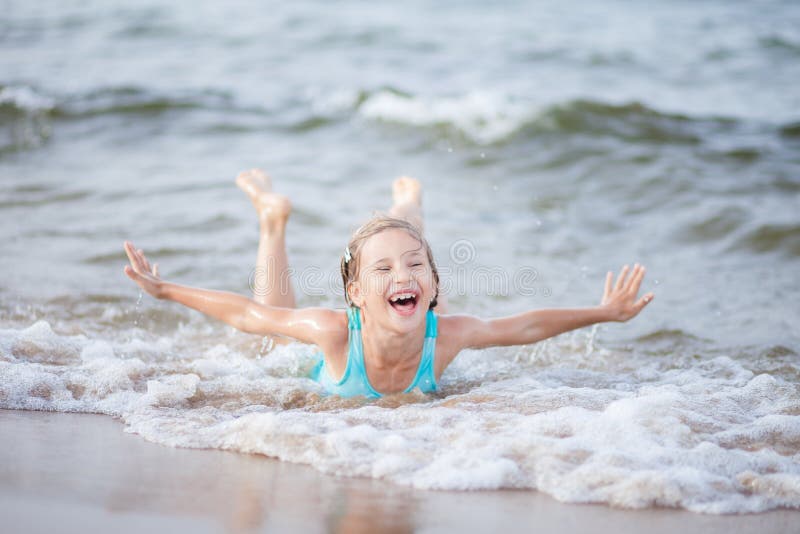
(354, 380)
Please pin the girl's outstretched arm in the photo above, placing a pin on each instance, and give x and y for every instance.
(619, 303)
(310, 325)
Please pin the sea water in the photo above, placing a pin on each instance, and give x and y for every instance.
(554, 141)
(633, 428)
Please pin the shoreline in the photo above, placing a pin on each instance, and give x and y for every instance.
(82, 472)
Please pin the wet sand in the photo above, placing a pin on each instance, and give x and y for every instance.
(83, 473)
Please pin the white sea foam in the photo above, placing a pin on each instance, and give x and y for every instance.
(711, 435)
(26, 99)
(482, 117)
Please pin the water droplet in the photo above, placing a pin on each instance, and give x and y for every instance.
(136, 308)
(267, 344)
(590, 347)
(483, 155)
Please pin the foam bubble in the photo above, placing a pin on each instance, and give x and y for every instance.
(714, 435)
(39, 343)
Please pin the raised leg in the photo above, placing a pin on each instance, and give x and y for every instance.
(407, 201)
(271, 282)
(407, 204)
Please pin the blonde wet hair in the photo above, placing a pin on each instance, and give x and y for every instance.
(380, 223)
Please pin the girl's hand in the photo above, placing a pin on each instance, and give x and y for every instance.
(620, 299)
(142, 273)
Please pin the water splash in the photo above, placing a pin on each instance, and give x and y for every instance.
(267, 344)
(137, 308)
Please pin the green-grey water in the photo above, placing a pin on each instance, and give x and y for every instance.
(555, 142)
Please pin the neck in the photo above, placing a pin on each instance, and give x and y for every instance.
(389, 349)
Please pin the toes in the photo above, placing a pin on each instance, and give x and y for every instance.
(406, 189)
(254, 182)
(405, 182)
(261, 176)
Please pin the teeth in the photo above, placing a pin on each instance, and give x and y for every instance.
(402, 296)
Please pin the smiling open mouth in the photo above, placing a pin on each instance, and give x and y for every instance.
(404, 303)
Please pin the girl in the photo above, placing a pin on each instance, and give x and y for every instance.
(389, 340)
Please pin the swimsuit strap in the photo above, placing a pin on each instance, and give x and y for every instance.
(355, 351)
(354, 381)
(425, 378)
(353, 318)
(430, 324)
(355, 346)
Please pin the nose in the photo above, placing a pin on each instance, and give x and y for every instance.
(402, 274)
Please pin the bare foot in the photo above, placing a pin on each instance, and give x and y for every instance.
(273, 209)
(407, 198)
(407, 190)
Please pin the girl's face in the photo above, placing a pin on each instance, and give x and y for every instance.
(395, 282)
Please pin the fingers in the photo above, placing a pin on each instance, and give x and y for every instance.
(624, 292)
(138, 260)
(607, 288)
(644, 301)
(133, 257)
(133, 275)
(636, 279)
(155, 270)
(621, 280)
(143, 258)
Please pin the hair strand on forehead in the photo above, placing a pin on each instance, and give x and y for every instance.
(350, 262)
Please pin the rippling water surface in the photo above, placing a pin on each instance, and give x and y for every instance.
(555, 141)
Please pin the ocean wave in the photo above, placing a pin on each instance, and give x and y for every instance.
(118, 255)
(791, 130)
(137, 100)
(714, 226)
(52, 196)
(477, 117)
(24, 115)
(26, 100)
(28, 114)
(765, 238)
(780, 43)
(481, 117)
(486, 118)
(634, 122)
(669, 341)
(705, 434)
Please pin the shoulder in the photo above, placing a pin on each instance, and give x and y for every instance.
(461, 329)
(455, 333)
(323, 322)
(331, 333)
(316, 326)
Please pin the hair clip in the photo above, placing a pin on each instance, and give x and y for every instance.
(347, 256)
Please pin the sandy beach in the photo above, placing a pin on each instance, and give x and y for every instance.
(83, 473)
